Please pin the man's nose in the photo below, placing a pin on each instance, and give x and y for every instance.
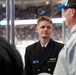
(45, 28)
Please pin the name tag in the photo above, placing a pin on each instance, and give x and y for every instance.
(35, 61)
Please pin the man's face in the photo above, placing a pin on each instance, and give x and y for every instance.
(44, 29)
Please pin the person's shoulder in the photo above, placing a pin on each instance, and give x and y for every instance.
(2, 40)
(60, 43)
(31, 48)
(7, 51)
(5, 44)
(32, 45)
(7, 47)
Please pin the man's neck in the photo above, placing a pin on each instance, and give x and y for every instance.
(44, 41)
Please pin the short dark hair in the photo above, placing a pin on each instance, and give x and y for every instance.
(44, 18)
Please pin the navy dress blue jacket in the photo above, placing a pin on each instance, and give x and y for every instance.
(38, 60)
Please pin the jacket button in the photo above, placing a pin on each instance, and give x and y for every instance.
(49, 69)
(38, 69)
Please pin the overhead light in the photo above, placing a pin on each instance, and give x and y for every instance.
(47, 3)
(4, 5)
(59, 2)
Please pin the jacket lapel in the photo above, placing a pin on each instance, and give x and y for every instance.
(47, 52)
(38, 51)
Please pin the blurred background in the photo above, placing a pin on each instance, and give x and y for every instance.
(18, 19)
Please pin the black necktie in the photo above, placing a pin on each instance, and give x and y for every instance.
(44, 48)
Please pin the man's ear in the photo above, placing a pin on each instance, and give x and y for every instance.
(73, 12)
(36, 29)
(52, 29)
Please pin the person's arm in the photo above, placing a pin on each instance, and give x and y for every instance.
(61, 65)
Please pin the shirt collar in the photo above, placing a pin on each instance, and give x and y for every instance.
(45, 44)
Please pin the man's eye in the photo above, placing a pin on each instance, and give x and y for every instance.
(48, 27)
(43, 27)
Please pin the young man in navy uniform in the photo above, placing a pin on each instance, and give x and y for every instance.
(39, 61)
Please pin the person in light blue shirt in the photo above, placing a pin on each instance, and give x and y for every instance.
(66, 64)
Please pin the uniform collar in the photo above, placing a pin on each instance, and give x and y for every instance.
(45, 44)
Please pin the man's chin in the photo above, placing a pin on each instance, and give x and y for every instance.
(45, 37)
